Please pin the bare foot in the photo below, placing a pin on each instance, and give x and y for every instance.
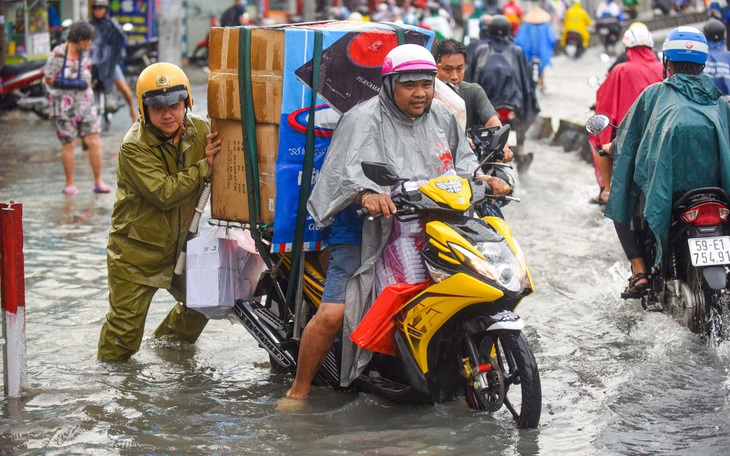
(291, 404)
(297, 396)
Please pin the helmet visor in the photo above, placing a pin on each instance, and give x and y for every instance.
(165, 97)
(418, 76)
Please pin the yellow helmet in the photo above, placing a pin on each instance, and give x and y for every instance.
(162, 84)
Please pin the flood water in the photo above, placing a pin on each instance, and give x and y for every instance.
(616, 380)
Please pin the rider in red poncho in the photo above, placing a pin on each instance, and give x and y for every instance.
(622, 87)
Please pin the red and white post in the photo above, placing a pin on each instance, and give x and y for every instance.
(12, 292)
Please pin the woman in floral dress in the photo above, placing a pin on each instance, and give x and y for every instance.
(73, 110)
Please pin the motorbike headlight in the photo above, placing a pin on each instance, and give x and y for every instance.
(499, 264)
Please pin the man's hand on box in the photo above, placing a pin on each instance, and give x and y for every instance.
(212, 147)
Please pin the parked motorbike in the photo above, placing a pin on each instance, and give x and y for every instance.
(690, 281)
(459, 336)
(608, 28)
(21, 86)
(139, 56)
(574, 45)
(200, 54)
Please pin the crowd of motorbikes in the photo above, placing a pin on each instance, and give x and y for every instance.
(22, 86)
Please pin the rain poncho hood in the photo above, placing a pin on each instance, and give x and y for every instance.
(501, 68)
(418, 148)
(623, 86)
(675, 138)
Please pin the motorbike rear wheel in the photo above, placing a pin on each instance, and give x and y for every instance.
(711, 319)
(519, 379)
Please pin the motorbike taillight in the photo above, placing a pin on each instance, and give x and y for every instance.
(504, 114)
(706, 214)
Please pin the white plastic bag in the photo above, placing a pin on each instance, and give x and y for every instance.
(222, 266)
(453, 101)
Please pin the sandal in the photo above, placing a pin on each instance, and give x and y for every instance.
(601, 199)
(101, 188)
(71, 190)
(635, 290)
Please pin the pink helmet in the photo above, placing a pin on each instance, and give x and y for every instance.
(409, 58)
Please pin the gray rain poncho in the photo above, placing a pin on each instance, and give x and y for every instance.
(418, 148)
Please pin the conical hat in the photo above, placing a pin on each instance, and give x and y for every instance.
(537, 15)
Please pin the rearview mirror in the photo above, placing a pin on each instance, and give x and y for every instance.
(593, 81)
(597, 123)
(380, 173)
(499, 138)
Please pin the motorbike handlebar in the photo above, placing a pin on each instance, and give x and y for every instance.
(365, 213)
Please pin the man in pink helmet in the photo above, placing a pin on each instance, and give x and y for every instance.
(417, 135)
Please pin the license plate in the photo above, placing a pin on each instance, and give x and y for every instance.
(603, 31)
(512, 139)
(709, 251)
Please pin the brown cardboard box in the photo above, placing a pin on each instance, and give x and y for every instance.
(267, 71)
(229, 190)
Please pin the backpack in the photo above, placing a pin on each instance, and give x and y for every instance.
(498, 74)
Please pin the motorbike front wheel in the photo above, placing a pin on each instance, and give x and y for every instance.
(517, 380)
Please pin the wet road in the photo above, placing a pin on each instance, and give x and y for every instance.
(616, 380)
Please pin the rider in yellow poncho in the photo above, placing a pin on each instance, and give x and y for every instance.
(577, 20)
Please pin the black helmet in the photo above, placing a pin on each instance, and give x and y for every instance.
(714, 30)
(499, 26)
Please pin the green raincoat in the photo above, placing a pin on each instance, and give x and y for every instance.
(159, 184)
(675, 138)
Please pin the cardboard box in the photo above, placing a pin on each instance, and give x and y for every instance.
(229, 190)
(267, 74)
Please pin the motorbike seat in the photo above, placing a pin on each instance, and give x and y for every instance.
(14, 69)
(706, 193)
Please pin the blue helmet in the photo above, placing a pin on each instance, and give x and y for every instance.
(685, 44)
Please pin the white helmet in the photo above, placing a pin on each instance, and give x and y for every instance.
(638, 36)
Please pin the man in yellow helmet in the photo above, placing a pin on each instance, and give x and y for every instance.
(164, 161)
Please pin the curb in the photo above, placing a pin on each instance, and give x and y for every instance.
(571, 136)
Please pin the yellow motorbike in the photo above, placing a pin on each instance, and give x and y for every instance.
(459, 335)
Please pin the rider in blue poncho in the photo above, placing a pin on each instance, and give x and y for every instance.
(537, 40)
(675, 138)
